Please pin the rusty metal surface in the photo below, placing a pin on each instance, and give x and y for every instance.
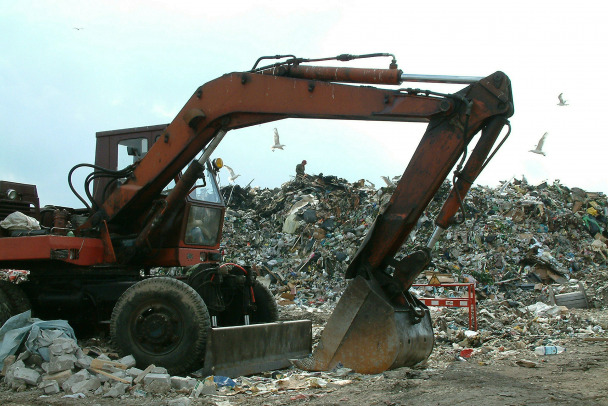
(367, 334)
(349, 75)
(243, 99)
(245, 350)
(438, 152)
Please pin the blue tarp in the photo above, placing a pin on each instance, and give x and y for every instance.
(40, 334)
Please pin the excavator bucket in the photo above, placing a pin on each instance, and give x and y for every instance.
(245, 350)
(369, 335)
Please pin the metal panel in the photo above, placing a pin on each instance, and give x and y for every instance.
(245, 350)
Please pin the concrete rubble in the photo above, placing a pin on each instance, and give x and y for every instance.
(521, 245)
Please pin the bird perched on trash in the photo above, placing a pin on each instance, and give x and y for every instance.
(277, 143)
(387, 181)
(232, 176)
(539, 146)
(562, 102)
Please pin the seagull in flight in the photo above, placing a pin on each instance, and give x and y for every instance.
(562, 102)
(232, 176)
(539, 146)
(277, 143)
(79, 28)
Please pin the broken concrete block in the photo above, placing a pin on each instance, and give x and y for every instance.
(129, 361)
(134, 372)
(158, 370)
(49, 387)
(27, 375)
(83, 362)
(88, 385)
(61, 363)
(181, 383)
(24, 356)
(116, 390)
(157, 383)
(63, 346)
(8, 361)
(74, 379)
(143, 373)
(11, 370)
(59, 377)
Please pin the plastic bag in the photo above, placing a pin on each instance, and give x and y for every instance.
(19, 221)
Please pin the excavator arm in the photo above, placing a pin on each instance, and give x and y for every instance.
(378, 324)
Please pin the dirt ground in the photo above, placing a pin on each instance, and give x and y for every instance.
(578, 376)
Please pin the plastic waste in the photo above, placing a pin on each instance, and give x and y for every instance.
(549, 349)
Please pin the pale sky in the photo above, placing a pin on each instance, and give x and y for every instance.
(135, 63)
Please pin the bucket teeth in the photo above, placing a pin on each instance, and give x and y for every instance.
(306, 364)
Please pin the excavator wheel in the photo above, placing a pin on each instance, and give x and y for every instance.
(17, 298)
(267, 309)
(161, 321)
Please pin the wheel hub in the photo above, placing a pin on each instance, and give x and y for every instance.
(157, 329)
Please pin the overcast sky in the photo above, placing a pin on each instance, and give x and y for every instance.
(135, 63)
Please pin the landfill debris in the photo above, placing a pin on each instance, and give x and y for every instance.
(519, 244)
(549, 350)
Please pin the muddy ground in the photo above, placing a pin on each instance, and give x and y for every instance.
(578, 376)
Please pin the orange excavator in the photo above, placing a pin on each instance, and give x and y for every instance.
(163, 209)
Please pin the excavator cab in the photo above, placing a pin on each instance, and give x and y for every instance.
(192, 235)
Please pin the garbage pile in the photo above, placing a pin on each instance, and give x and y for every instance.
(534, 253)
(516, 242)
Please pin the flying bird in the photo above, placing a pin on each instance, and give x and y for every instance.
(562, 102)
(79, 28)
(232, 176)
(277, 143)
(539, 146)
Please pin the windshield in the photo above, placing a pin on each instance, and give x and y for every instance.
(206, 189)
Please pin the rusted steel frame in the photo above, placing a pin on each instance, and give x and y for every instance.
(79, 251)
(470, 171)
(252, 99)
(436, 154)
(334, 74)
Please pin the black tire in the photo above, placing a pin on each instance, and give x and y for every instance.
(161, 321)
(5, 308)
(267, 309)
(16, 297)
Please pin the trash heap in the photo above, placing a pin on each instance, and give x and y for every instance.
(526, 248)
(516, 242)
